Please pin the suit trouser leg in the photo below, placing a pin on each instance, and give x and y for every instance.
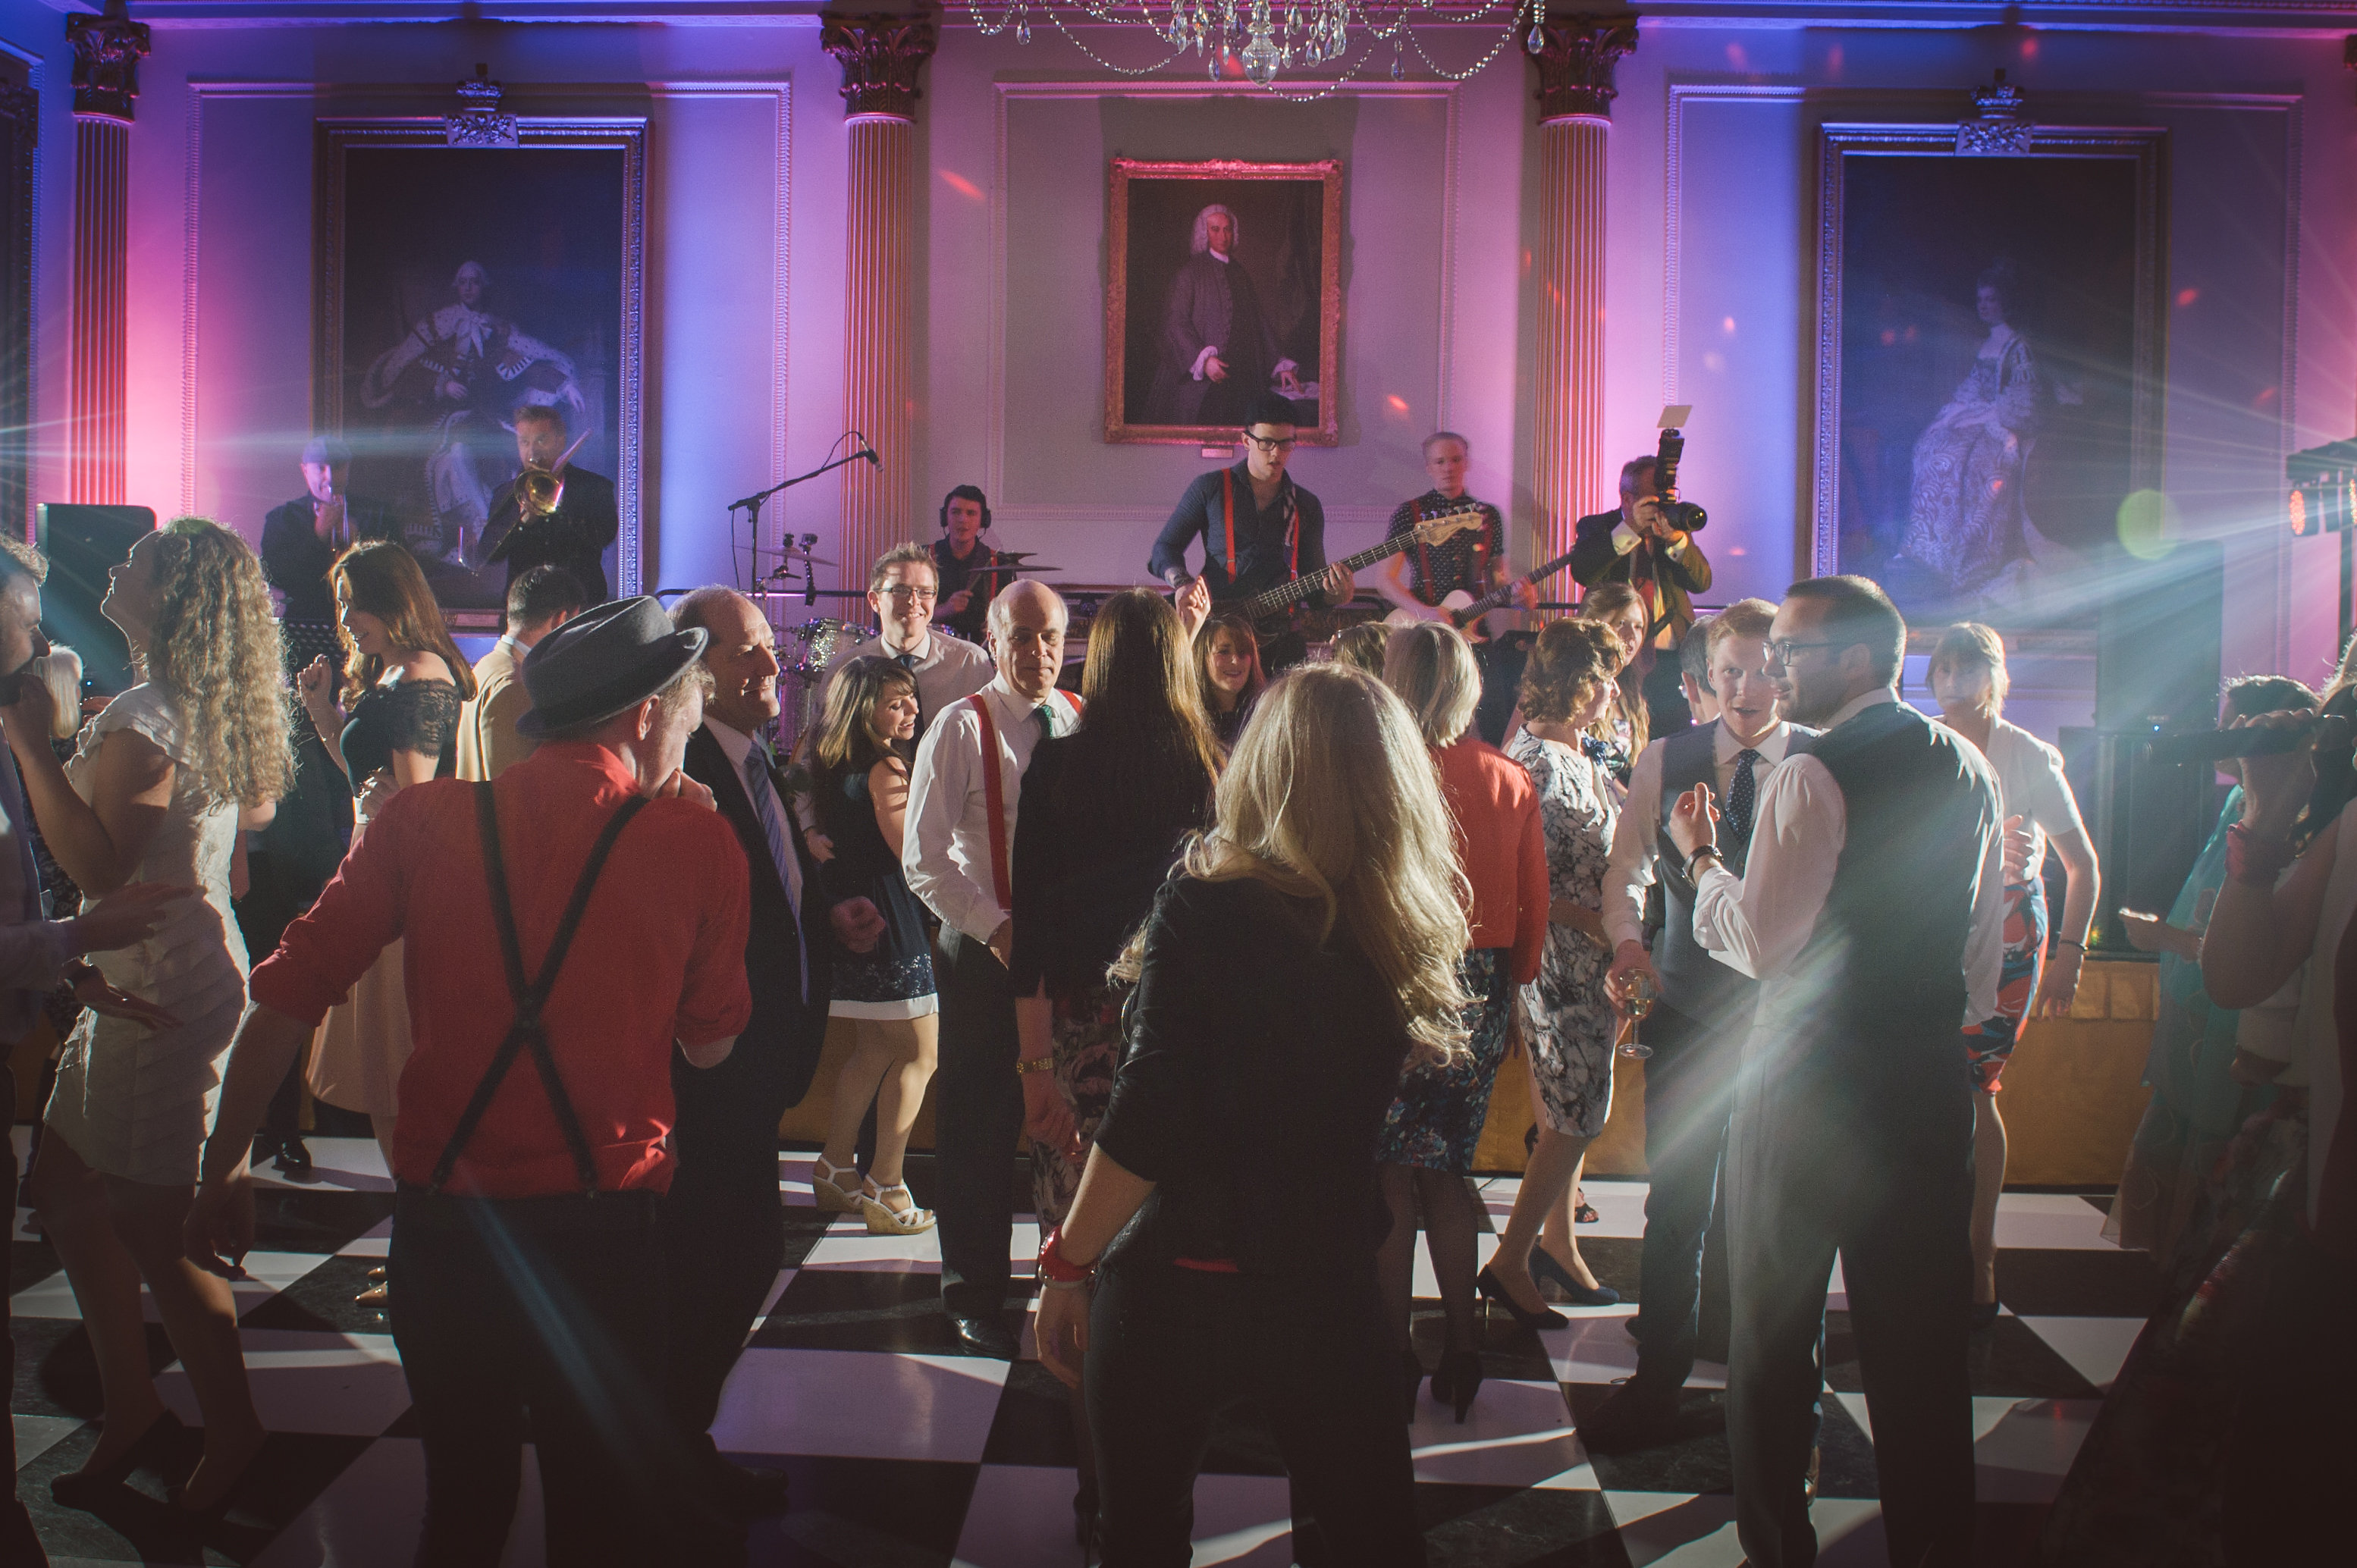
(724, 1238)
(1689, 1089)
(1907, 1264)
(977, 1115)
(1784, 1190)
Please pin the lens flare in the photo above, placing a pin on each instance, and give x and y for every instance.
(2147, 525)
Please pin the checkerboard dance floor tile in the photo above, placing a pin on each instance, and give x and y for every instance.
(903, 1452)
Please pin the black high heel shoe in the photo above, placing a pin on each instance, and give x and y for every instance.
(1492, 1288)
(89, 1488)
(1456, 1380)
(1544, 1266)
(293, 1158)
(1411, 1374)
(1084, 1520)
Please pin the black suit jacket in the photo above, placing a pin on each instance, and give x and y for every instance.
(575, 536)
(1594, 561)
(295, 559)
(782, 1026)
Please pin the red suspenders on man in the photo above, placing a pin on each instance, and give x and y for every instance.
(994, 795)
(1228, 513)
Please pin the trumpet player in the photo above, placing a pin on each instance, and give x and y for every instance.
(554, 514)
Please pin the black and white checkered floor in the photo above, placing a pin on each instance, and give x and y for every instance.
(904, 1454)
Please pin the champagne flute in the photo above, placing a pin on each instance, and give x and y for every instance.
(1638, 995)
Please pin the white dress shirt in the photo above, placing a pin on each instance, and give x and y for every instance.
(946, 846)
(948, 667)
(1636, 843)
(1757, 923)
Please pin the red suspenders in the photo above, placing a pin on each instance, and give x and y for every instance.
(994, 795)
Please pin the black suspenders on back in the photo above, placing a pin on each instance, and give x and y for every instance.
(528, 1029)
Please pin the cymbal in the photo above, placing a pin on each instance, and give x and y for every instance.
(1026, 571)
(794, 554)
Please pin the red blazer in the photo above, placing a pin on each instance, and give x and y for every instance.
(1502, 848)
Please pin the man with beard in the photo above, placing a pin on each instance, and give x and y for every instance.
(1871, 912)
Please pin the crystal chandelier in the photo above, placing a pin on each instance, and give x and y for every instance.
(1267, 37)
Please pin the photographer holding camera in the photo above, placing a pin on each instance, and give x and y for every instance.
(1648, 545)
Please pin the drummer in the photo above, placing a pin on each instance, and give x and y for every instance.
(904, 590)
(971, 574)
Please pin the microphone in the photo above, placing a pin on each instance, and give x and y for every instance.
(870, 455)
(2217, 744)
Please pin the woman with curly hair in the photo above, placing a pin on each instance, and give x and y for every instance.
(158, 790)
(1620, 733)
(397, 726)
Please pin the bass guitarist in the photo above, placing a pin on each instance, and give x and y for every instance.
(1260, 530)
(1420, 579)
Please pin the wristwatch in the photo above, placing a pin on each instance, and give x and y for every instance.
(1694, 860)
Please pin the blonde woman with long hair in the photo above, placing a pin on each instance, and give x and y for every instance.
(160, 787)
(1307, 951)
(1616, 737)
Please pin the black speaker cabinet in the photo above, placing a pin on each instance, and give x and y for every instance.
(2149, 821)
(83, 544)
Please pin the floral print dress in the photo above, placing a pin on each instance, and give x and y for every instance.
(1572, 1024)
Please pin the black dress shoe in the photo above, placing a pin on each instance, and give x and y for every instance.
(983, 1336)
(744, 1492)
(1636, 1416)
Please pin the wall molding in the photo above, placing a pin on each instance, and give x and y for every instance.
(1004, 92)
(1673, 212)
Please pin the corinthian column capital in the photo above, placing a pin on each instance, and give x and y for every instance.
(1576, 57)
(880, 56)
(107, 50)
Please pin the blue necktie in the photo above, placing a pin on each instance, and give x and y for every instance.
(764, 796)
(1742, 797)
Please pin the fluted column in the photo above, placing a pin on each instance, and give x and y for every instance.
(881, 58)
(1574, 62)
(107, 50)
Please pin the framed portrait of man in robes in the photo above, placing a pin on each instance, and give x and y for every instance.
(1988, 365)
(1223, 281)
(476, 303)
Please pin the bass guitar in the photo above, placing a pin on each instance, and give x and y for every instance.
(1461, 610)
(1277, 604)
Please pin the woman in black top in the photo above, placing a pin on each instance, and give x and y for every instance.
(1105, 812)
(404, 683)
(1308, 951)
(1227, 668)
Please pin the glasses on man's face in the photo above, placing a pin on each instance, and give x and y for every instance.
(904, 591)
(1781, 652)
(1272, 444)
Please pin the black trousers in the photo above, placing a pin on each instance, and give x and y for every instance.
(1866, 1148)
(724, 1238)
(1681, 1271)
(547, 1307)
(1169, 1348)
(977, 1115)
(18, 1542)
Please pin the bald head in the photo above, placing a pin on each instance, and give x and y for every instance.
(742, 656)
(1027, 637)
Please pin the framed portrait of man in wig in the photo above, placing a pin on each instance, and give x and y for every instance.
(1224, 282)
(480, 314)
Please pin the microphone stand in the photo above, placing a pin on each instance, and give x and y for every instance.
(752, 505)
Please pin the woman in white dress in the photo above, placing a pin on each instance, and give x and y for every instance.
(158, 791)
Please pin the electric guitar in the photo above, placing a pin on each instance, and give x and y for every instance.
(1461, 610)
(1437, 528)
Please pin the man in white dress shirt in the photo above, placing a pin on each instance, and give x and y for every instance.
(1698, 1028)
(1871, 912)
(961, 831)
(903, 590)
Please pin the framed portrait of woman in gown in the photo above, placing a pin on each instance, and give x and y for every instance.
(1224, 281)
(1988, 367)
(461, 285)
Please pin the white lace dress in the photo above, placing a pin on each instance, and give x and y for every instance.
(136, 1102)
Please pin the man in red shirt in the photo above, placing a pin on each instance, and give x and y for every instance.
(559, 947)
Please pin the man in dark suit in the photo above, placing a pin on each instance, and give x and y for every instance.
(1219, 349)
(722, 1229)
(575, 536)
(302, 539)
(1636, 546)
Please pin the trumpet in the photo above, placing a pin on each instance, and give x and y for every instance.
(538, 494)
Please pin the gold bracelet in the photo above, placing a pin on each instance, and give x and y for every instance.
(1035, 1064)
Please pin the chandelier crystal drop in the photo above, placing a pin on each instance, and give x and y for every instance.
(1270, 38)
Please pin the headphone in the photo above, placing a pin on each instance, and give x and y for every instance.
(966, 493)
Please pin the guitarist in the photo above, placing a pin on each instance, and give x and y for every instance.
(1259, 528)
(1419, 578)
(1637, 545)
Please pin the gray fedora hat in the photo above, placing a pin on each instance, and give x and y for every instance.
(602, 661)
